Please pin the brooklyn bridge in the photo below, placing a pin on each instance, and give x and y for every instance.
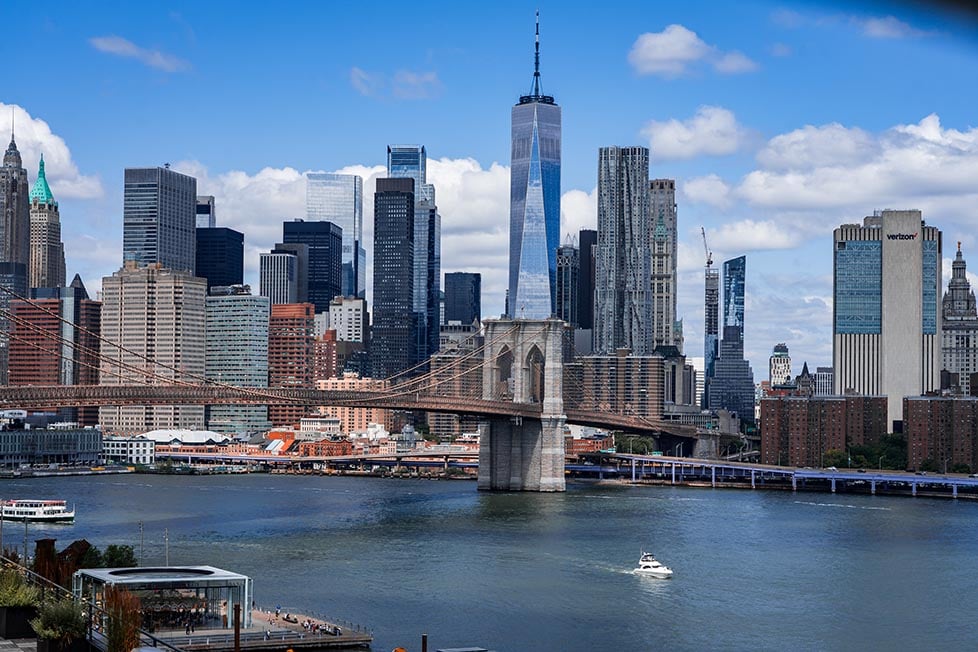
(516, 382)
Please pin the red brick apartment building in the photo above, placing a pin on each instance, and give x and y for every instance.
(291, 345)
(942, 430)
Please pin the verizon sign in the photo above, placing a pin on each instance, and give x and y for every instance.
(901, 236)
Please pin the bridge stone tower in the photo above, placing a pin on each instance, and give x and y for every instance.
(523, 363)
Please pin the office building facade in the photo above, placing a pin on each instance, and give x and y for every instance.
(159, 218)
(779, 366)
(711, 328)
(622, 293)
(237, 325)
(568, 283)
(886, 311)
(220, 256)
(665, 252)
(587, 243)
(959, 326)
(394, 340)
(279, 276)
(206, 213)
(463, 297)
(411, 161)
(534, 213)
(15, 224)
(291, 344)
(325, 242)
(338, 198)
(159, 314)
(47, 252)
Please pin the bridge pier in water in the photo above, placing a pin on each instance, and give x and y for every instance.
(524, 362)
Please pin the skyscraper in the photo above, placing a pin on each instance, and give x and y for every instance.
(411, 161)
(159, 223)
(779, 366)
(587, 243)
(237, 354)
(325, 240)
(622, 287)
(220, 256)
(159, 314)
(206, 214)
(15, 223)
(734, 279)
(959, 326)
(732, 385)
(568, 283)
(338, 198)
(463, 297)
(534, 210)
(291, 344)
(47, 253)
(711, 327)
(279, 276)
(662, 218)
(393, 345)
(887, 316)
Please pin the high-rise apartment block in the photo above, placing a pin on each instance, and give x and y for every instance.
(665, 251)
(411, 161)
(47, 252)
(622, 293)
(325, 241)
(568, 283)
(54, 341)
(463, 297)
(711, 330)
(291, 343)
(942, 433)
(779, 366)
(887, 317)
(338, 198)
(159, 218)
(220, 256)
(348, 316)
(393, 345)
(157, 316)
(959, 326)
(534, 208)
(237, 354)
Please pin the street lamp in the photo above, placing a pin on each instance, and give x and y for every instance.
(881, 461)
(677, 447)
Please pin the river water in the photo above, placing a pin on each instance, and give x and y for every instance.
(754, 570)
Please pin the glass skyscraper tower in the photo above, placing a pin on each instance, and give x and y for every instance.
(534, 211)
(338, 198)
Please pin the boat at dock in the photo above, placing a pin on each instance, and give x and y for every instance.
(652, 567)
(44, 511)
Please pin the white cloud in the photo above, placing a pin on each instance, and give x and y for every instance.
(887, 27)
(578, 210)
(34, 137)
(751, 235)
(713, 131)
(125, 48)
(676, 50)
(402, 85)
(711, 190)
(842, 169)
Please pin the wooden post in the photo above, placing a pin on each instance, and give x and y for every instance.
(424, 643)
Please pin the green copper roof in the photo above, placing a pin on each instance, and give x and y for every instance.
(41, 190)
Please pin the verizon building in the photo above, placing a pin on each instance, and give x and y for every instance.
(887, 317)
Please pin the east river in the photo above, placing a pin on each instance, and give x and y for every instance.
(754, 570)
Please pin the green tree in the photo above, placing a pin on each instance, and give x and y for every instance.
(117, 556)
(961, 468)
(91, 559)
(834, 457)
(928, 465)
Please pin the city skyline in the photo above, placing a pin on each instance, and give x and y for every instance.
(768, 184)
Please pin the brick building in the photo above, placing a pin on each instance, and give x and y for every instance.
(799, 430)
(941, 430)
(291, 343)
(355, 419)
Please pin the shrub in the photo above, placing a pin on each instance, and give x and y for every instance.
(15, 592)
(61, 621)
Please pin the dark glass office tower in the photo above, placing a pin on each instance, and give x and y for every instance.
(534, 212)
(159, 218)
(732, 384)
(587, 242)
(338, 198)
(463, 297)
(734, 276)
(394, 335)
(325, 240)
(711, 338)
(411, 161)
(220, 256)
(568, 282)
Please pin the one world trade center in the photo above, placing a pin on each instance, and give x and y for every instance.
(534, 217)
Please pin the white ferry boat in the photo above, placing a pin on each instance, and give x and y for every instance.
(48, 511)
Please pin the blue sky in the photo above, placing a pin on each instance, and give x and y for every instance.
(779, 121)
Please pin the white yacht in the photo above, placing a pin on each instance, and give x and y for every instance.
(649, 565)
(47, 511)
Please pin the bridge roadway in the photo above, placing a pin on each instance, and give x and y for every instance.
(32, 397)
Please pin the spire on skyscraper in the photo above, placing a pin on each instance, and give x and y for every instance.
(11, 157)
(41, 190)
(535, 95)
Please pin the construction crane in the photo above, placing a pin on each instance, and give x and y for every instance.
(706, 249)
